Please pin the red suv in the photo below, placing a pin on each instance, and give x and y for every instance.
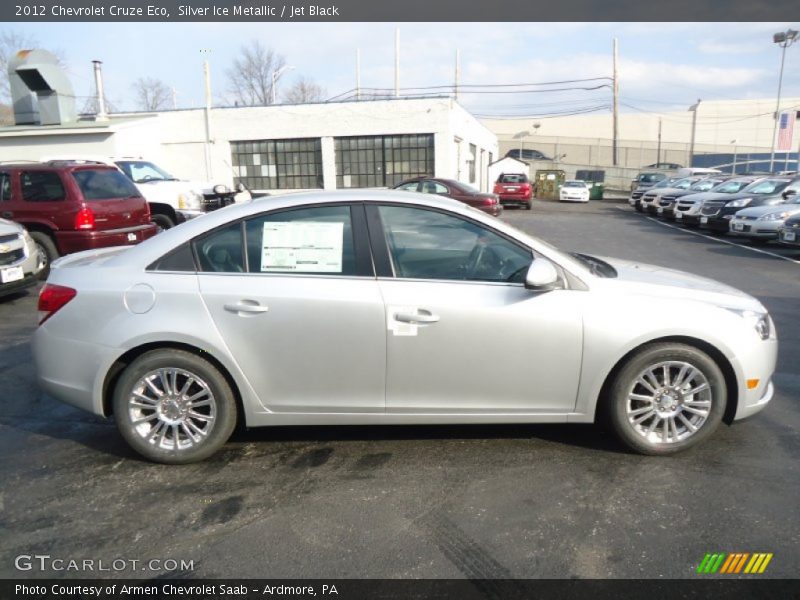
(514, 188)
(68, 207)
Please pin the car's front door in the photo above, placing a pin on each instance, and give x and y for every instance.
(294, 296)
(464, 335)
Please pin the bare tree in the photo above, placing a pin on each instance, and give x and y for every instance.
(151, 93)
(304, 90)
(250, 77)
(11, 42)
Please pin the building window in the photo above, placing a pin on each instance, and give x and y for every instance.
(471, 160)
(278, 164)
(382, 160)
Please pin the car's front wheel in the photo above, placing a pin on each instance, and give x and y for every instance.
(174, 407)
(666, 398)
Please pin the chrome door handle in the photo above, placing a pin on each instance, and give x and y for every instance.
(246, 307)
(421, 318)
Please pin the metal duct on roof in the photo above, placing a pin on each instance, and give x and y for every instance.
(40, 90)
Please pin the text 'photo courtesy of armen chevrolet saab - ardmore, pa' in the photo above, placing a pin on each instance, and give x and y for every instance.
(482, 304)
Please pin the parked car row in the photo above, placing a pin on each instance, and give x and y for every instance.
(757, 208)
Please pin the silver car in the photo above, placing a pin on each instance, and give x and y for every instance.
(375, 307)
(762, 223)
(20, 262)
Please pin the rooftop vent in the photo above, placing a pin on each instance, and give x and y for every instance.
(40, 91)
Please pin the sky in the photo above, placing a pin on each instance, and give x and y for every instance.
(662, 66)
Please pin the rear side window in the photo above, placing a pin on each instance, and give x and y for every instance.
(180, 259)
(221, 250)
(5, 187)
(513, 178)
(41, 186)
(104, 184)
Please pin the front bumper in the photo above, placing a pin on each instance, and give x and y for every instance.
(17, 286)
(756, 362)
(568, 198)
(753, 228)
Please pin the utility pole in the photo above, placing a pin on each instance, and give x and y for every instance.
(458, 71)
(358, 73)
(658, 151)
(615, 142)
(207, 145)
(397, 63)
(693, 108)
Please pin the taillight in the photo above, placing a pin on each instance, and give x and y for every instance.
(489, 201)
(52, 298)
(84, 219)
(498, 188)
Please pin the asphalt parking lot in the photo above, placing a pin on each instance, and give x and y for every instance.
(423, 502)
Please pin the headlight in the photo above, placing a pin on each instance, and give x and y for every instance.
(190, 200)
(759, 321)
(774, 216)
(739, 203)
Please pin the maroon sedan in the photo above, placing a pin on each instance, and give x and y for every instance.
(488, 203)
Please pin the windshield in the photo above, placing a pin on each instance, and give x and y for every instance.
(683, 184)
(142, 171)
(704, 185)
(465, 187)
(731, 187)
(575, 184)
(665, 183)
(766, 186)
(650, 177)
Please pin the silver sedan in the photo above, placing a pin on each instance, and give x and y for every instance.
(369, 307)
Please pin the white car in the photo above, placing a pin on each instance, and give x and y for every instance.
(372, 307)
(574, 191)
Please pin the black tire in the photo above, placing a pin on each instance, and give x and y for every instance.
(48, 251)
(625, 383)
(162, 221)
(218, 392)
(758, 242)
(529, 205)
(638, 207)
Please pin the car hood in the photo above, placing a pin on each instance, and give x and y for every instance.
(652, 280)
(758, 211)
(703, 196)
(9, 227)
(668, 190)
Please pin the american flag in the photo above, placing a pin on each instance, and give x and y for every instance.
(786, 130)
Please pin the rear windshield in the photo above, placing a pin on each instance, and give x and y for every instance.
(651, 177)
(513, 178)
(104, 184)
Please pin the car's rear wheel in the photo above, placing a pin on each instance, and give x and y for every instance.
(48, 252)
(638, 207)
(666, 398)
(174, 407)
(529, 205)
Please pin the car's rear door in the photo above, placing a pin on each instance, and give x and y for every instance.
(294, 296)
(464, 335)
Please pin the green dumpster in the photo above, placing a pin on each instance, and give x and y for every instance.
(596, 191)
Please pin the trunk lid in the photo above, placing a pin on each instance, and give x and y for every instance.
(112, 198)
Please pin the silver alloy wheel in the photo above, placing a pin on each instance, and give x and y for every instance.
(669, 402)
(173, 409)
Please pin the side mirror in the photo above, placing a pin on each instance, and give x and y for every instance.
(221, 189)
(241, 188)
(788, 194)
(542, 276)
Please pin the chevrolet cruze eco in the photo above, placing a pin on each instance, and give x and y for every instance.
(370, 307)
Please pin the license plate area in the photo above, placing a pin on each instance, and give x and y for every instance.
(703, 220)
(10, 274)
(131, 237)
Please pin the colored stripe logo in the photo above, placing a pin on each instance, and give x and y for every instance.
(735, 562)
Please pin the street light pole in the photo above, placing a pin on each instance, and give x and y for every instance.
(784, 39)
(275, 74)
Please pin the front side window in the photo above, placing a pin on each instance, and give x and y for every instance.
(104, 184)
(41, 186)
(434, 187)
(426, 244)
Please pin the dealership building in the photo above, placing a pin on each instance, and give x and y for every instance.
(279, 148)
